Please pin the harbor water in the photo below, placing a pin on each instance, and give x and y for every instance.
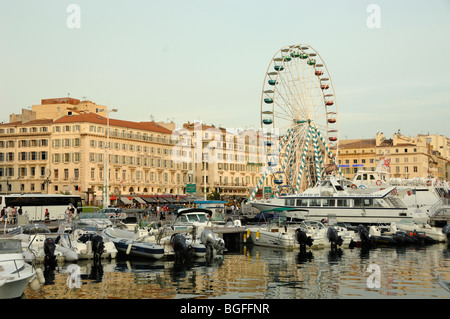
(253, 272)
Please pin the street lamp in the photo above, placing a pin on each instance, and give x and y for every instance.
(204, 171)
(106, 160)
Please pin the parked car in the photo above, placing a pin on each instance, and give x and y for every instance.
(96, 220)
(111, 212)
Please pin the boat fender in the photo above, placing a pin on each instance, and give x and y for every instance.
(35, 284)
(40, 276)
(129, 248)
(257, 235)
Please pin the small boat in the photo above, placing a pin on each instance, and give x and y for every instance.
(88, 244)
(275, 233)
(374, 236)
(127, 243)
(33, 239)
(15, 273)
(432, 233)
(183, 248)
(323, 236)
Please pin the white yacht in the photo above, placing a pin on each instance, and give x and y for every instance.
(347, 204)
(424, 195)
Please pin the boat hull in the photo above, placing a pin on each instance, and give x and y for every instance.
(138, 249)
(14, 289)
(274, 239)
(349, 215)
(13, 282)
(131, 247)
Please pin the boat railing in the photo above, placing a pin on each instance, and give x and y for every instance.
(441, 206)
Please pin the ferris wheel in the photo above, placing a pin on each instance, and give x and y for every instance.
(299, 116)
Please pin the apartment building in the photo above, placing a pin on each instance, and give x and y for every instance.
(67, 153)
(226, 161)
(63, 145)
(409, 157)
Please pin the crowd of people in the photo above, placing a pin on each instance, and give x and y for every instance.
(9, 214)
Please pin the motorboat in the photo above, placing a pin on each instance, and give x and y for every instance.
(33, 238)
(15, 273)
(273, 233)
(87, 244)
(189, 218)
(434, 233)
(354, 206)
(419, 194)
(325, 236)
(374, 236)
(185, 247)
(129, 244)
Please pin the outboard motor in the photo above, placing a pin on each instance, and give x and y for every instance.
(303, 239)
(97, 247)
(181, 249)
(446, 231)
(212, 242)
(366, 240)
(49, 249)
(333, 237)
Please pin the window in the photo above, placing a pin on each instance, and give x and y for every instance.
(343, 202)
(314, 202)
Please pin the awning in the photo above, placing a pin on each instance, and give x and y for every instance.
(149, 199)
(113, 197)
(125, 200)
(139, 200)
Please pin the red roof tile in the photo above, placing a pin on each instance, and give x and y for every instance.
(98, 119)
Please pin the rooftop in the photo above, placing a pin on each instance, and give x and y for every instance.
(98, 119)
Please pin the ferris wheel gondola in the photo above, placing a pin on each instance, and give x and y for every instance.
(299, 108)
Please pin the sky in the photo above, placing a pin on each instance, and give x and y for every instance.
(194, 60)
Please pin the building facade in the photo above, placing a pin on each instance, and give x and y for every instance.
(424, 156)
(65, 145)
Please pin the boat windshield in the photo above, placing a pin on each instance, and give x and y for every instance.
(313, 224)
(197, 217)
(10, 246)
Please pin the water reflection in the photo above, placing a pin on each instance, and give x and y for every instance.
(258, 272)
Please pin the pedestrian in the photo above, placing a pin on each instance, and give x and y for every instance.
(3, 213)
(13, 214)
(9, 214)
(47, 216)
(20, 211)
(67, 214)
(72, 213)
